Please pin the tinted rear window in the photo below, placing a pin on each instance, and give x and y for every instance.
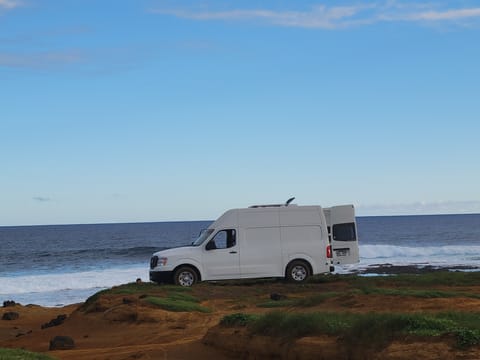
(344, 232)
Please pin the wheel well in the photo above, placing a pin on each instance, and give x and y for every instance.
(193, 267)
(306, 262)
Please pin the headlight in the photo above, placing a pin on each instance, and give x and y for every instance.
(156, 261)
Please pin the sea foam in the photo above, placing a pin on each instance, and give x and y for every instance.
(66, 288)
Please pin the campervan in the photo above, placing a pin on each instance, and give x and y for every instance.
(279, 240)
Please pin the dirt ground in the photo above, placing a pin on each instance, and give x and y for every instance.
(124, 327)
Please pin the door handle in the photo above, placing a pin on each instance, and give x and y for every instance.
(233, 252)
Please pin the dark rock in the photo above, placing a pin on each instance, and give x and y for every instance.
(9, 303)
(23, 334)
(128, 301)
(10, 316)
(55, 322)
(61, 343)
(277, 297)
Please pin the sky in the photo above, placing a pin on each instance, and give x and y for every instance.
(144, 110)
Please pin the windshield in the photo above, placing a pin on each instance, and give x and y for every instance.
(204, 234)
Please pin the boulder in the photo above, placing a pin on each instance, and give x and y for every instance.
(10, 316)
(8, 303)
(61, 343)
(55, 322)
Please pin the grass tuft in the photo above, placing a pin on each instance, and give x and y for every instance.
(307, 301)
(175, 304)
(427, 294)
(17, 354)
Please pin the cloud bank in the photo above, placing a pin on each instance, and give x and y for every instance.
(332, 17)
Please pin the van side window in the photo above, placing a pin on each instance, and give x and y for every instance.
(344, 232)
(224, 239)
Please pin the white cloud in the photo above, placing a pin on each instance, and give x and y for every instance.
(39, 60)
(420, 208)
(9, 4)
(41, 198)
(332, 17)
(447, 15)
(318, 17)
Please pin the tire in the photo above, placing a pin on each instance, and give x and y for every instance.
(298, 271)
(185, 276)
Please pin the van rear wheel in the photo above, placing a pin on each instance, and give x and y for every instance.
(185, 276)
(298, 271)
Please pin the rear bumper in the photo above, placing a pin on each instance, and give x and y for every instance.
(161, 276)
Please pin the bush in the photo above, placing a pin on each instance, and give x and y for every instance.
(237, 319)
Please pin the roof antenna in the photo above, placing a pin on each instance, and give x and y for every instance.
(289, 201)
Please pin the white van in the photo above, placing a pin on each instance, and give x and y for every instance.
(263, 241)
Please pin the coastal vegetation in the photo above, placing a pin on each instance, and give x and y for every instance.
(178, 302)
(374, 330)
(18, 354)
(337, 316)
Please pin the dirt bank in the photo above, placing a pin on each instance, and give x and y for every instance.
(127, 325)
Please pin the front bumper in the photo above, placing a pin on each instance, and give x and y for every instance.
(161, 276)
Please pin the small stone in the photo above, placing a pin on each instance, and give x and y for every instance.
(277, 297)
(61, 343)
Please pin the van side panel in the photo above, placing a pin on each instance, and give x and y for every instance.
(300, 216)
(260, 252)
(253, 218)
(305, 242)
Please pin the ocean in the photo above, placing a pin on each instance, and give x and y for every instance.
(55, 265)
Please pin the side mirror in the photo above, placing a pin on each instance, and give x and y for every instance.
(211, 245)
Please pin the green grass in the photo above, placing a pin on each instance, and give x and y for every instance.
(307, 301)
(428, 294)
(172, 293)
(295, 325)
(180, 296)
(238, 319)
(370, 330)
(277, 303)
(17, 354)
(176, 304)
(434, 278)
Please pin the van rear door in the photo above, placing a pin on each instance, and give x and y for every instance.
(343, 234)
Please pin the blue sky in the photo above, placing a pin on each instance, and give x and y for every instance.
(119, 111)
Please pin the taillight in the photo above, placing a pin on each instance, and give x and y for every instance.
(329, 251)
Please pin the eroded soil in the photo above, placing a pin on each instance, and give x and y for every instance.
(120, 326)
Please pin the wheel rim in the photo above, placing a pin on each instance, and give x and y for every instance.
(186, 278)
(299, 273)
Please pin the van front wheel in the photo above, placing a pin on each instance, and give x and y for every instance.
(298, 271)
(185, 276)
